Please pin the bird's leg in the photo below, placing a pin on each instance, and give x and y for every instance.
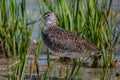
(87, 58)
(65, 59)
(95, 60)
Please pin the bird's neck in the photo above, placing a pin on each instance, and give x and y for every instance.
(48, 23)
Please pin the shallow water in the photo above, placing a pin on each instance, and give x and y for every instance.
(87, 73)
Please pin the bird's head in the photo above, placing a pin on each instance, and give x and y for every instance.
(48, 18)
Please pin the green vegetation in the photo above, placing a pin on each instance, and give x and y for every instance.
(15, 36)
(89, 19)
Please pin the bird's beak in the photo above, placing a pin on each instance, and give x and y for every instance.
(35, 21)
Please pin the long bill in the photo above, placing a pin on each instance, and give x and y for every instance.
(35, 21)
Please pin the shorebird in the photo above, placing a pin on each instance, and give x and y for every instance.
(63, 43)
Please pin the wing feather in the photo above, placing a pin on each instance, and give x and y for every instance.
(62, 40)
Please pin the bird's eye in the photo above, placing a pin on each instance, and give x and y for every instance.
(48, 15)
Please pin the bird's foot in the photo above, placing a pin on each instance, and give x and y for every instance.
(65, 59)
(96, 60)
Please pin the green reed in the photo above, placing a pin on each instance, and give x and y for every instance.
(15, 36)
(106, 74)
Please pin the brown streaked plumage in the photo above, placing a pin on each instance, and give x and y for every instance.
(62, 42)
